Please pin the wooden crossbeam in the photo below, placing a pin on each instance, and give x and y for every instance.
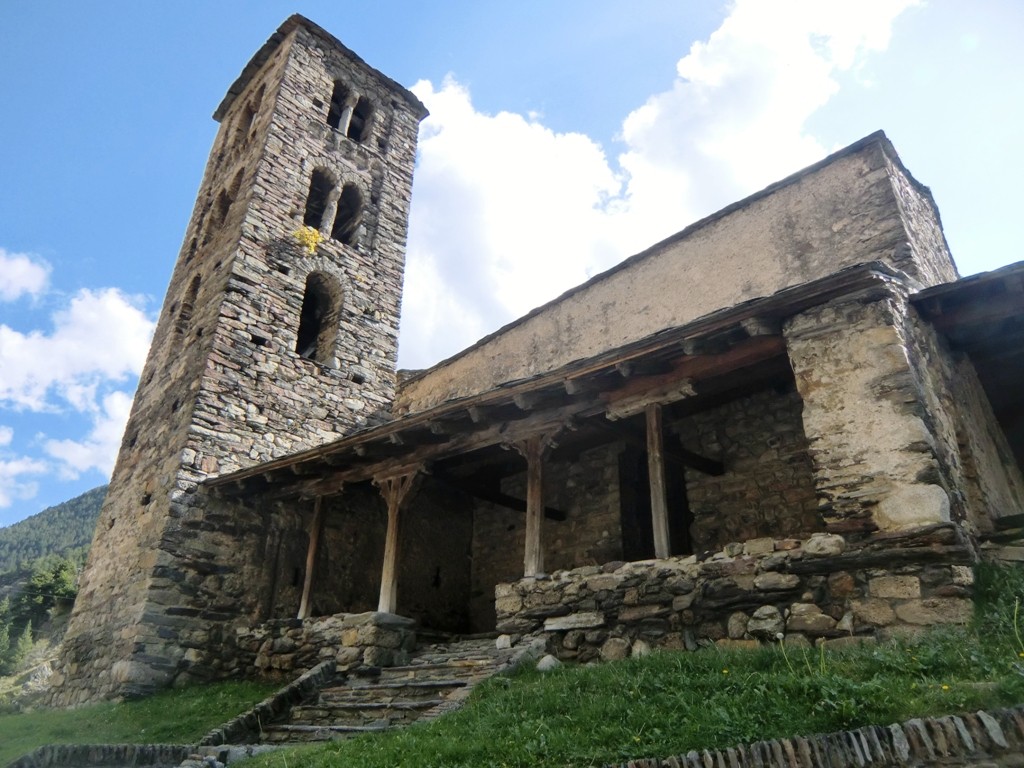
(494, 496)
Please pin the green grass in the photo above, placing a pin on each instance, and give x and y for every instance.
(669, 703)
(180, 716)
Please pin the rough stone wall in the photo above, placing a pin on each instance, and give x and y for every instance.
(223, 386)
(983, 739)
(984, 477)
(350, 556)
(768, 485)
(586, 489)
(435, 541)
(875, 456)
(926, 256)
(819, 589)
(837, 214)
(280, 649)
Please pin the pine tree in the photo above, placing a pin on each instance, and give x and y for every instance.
(23, 647)
(5, 644)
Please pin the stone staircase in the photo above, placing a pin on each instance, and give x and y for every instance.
(437, 679)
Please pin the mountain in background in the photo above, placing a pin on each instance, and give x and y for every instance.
(64, 530)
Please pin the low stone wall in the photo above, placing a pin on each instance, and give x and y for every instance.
(822, 589)
(247, 728)
(994, 739)
(280, 648)
(105, 755)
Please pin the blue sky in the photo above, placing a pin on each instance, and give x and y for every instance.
(563, 137)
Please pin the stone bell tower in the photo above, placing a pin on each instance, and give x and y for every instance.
(263, 348)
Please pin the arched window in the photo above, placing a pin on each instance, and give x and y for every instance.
(188, 304)
(319, 318)
(320, 188)
(349, 215)
(348, 113)
(359, 123)
(336, 112)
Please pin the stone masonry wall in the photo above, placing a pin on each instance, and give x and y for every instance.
(876, 458)
(282, 649)
(985, 480)
(586, 489)
(768, 485)
(820, 589)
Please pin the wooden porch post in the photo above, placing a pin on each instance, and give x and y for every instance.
(534, 449)
(314, 543)
(656, 474)
(394, 490)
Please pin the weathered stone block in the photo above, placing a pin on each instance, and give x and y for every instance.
(736, 626)
(574, 621)
(807, 617)
(766, 622)
(776, 581)
(895, 587)
(878, 613)
(615, 649)
(935, 610)
(824, 545)
(760, 546)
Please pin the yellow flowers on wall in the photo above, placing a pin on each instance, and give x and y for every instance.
(309, 238)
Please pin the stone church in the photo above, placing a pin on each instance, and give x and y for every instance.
(790, 417)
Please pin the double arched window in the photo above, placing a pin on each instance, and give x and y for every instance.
(333, 209)
(349, 113)
(320, 318)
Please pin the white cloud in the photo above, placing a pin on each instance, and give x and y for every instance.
(20, 274)
(501, 204)
(6, 435)
(507, 213)
(12, 483)
(100, 338)
(99, 448)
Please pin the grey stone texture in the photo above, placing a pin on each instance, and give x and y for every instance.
(866, 591)
(994, 739)
(223, 386)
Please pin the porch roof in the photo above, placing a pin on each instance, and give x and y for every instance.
(692, 360)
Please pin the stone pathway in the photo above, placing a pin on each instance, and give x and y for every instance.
(437, 679)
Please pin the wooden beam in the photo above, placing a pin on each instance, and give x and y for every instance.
(493, 496)
(761, 326)
(314, 543)
(534, 449)
(394, 489)
(662, 394)
(526, 401)
(656, 473)
(701, 367)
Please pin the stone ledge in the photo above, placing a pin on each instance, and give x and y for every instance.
(995, 736)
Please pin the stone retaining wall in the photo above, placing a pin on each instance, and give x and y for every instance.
(820, 589)
(53, 755)
(280, 648)
(989, 739)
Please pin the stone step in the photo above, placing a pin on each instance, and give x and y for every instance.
(287, 733)
(407, 691)
(437, 679)
(362, 713)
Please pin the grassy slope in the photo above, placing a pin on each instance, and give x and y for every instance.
(173, 717)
